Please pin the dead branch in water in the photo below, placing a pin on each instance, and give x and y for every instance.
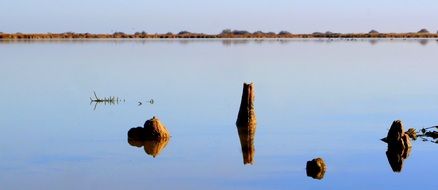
(111, 100)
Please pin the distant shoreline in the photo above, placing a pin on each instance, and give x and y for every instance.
(224, 35)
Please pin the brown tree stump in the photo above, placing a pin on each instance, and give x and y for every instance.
(247, 114)
(246, 123)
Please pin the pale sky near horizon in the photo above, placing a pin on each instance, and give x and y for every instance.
(107, 16)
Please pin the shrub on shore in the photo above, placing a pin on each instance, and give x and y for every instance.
(284, 33)
(423, 31)
(240, 32)
(259, 32)
(226, 31)
(184, 32)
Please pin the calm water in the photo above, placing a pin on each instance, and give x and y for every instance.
(329, 99)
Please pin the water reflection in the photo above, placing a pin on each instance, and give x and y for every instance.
(396, 157)
(246, 136)
(151, 147)
(246, 123)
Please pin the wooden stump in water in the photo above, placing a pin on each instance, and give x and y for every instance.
(246, 123)
(246, 114)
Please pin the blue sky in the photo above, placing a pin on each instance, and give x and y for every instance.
(304, 16)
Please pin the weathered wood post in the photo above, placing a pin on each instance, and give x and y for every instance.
(246, 123)
(247, 114)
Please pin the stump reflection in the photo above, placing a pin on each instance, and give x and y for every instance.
(246, 136)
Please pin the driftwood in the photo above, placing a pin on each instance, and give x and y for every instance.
(246, 123)
(316, 168)
(112, 100)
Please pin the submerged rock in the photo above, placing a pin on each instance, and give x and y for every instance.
(316, 168)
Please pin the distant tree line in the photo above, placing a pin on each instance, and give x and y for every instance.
(226, 33)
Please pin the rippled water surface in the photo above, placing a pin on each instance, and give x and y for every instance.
(314, 98)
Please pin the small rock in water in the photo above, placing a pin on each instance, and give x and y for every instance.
(316, 168)
(153, 136)
(396, 137)
(411, 132)
(153, 129)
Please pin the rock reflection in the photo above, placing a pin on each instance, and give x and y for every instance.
(396, 157)
(151, 147)
(246, 123)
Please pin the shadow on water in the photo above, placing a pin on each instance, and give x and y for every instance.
(246, 123)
